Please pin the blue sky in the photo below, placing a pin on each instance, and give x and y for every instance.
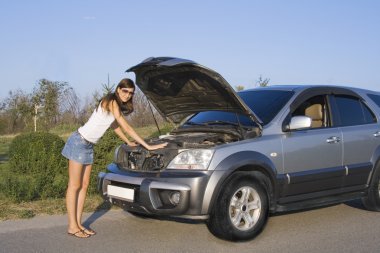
(289, 41)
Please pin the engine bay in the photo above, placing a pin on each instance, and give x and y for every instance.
(140, 159)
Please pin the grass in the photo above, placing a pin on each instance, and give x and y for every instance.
(10, 210)
(25, 210)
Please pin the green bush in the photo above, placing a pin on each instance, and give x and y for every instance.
(103, 155)
(36, 170)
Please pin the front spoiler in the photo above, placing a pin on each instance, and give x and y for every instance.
(152, 191)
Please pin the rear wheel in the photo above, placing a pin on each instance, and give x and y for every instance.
(241, 210)
(372, 200)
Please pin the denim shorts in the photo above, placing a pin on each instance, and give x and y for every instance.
(78, 149)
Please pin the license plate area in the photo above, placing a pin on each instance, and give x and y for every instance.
(122, 193)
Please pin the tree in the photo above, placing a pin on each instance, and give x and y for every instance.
(144, 113)
(69, 105)
(262, 82)
(107, 88)
(47, 94)
(17, 111)
(50, 103)
(239, 87)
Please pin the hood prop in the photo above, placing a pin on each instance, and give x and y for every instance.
(240, 127)
(155, 121)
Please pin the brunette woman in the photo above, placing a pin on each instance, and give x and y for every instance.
(79, 149)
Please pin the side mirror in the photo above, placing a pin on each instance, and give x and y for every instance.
(299, 122)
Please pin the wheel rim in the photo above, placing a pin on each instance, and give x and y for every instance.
(245, 208)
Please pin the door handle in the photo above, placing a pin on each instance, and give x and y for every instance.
(333, 139)
(377, 134)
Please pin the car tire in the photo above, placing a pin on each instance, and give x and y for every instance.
(372, 200)
(241, 210)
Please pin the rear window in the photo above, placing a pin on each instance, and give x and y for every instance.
(375, 98)
(353, 112)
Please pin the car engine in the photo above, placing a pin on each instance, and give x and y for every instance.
(140, 159)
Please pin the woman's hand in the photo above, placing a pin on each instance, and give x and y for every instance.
(157, 146)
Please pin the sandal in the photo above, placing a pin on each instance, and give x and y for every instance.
(76, 234)
(88, 231)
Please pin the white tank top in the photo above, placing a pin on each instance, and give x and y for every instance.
(96, 125)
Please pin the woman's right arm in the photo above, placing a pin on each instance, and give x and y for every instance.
(114, 107)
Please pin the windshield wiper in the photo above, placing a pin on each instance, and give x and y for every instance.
(194, 123)
(220, 122)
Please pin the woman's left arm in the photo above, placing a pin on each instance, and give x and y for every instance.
(116, 128)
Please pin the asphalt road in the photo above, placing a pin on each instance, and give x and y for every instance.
(340, 228)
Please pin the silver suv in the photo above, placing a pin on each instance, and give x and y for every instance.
(236, 157)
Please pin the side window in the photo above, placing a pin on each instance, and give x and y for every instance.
(353, 112)
(375, 98)
(316, 109)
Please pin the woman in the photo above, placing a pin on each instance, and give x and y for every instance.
(79, 149)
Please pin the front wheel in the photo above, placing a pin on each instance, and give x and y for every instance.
(241, 210)
(372, 200)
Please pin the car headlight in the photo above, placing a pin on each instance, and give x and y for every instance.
(192, 159)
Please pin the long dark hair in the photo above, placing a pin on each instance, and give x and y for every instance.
(125, 108)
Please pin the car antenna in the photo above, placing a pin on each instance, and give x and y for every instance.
(155, 121)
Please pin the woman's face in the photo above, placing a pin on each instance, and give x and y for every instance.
(125, 94)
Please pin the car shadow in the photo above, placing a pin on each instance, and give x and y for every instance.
(105, 206)
(100, 210)
(356, 203)
(166, 218)
(279, 213)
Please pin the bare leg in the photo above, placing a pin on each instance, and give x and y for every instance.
(82, 196)
(74, 185)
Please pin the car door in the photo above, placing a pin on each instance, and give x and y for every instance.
(313, 157)
(360, 130)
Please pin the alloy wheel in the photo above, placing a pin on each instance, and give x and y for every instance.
(245, 208)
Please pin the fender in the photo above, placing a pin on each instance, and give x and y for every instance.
(235, 162)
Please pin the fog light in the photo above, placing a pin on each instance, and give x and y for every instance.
(174, 198)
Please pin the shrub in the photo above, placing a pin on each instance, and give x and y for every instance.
(103, 155)
(36, 170)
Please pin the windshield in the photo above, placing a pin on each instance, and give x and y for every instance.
(264, 103)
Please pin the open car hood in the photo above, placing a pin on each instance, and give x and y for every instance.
(179, 88)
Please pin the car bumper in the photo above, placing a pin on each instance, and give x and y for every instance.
(174, 193)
